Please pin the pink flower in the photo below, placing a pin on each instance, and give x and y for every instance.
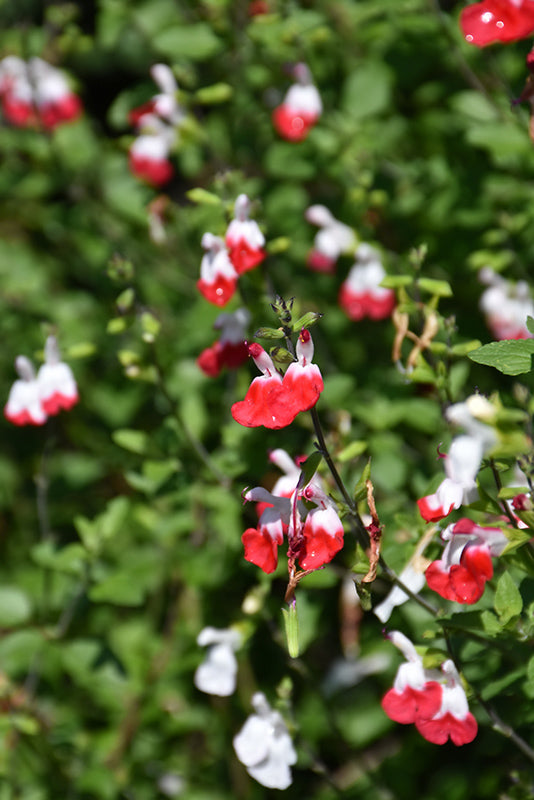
(361, 294)
(218, 278)
(57, 387)
(300, 109)
(333, 239)
(244, 239)
(416, 694)
(497, 21)
(453, 719)
(24, 405)
(314, 535)
(465, 566)
(275, 402)
(231, 350)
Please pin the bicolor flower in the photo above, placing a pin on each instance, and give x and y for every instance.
(506, 306)
(218, 278)
(361, 294)
(463, 459)
(413, 577)
(493, 21)
(264, 746)
(148, 156)
(24, 405)
(231, 349)
(333, 239)
(416, 693)
(275, 402)
(314, 535)
(465, 565)
(243, 238)
(36, 93)
(217, 673)
(453, 719)
(57, 387)
(300, 109)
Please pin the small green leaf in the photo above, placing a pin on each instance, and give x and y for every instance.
(117, 325)
(291, 624)
(279, 245)
(15, 607)
(306, 321)
(203, 197)
(134, 441)
(434, 287)
(490, 623)
(216, 93)
(530, 324)
(269, 333)
(360, 490)
(150, 325)
(125, 300)
(465, 348)
(309, 468)
(281, 355)
(508, 601)
(353, 450)
(511, 356)
(80, 350)
(396, 281)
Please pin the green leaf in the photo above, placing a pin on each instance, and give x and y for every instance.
(511, 356)
(15, 607)
(353, 450)
(530, 324)
(291, 625)
(269, 333)
(309, 468)
(216, 93)
(367, 90)
(434, 287)
(306, 321)
(203, 197)
(196, 42)
(360, 490)
(134, 441)
(396, 281)
(508, 601)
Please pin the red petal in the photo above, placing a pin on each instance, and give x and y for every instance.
(209, 360)
(477, 559)
(57, 401)
(437, 731)
(413, 704)
(319, 546)
(497, 21)
(303, 384)
(265, 403)
(220, 292)
(353, 304)
(136, 113)
(321, 263)
(291, 125)
(260, 549)
(381, 307)
(233, 355)
(431, 514)
(153, 171)
(244, 257)
(438, 579)
(466, 586)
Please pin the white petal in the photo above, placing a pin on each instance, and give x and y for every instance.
(251, 744)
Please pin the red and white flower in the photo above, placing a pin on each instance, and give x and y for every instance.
(275, 402)
(459, 487)
(314, 535)
(300, 109)
(218, 278)
(148, 155)
(416, 693)
(333, 239)
(361, 294)
(506, 306)
(465, 565)
(36, 93)
(231, 349)
(57, 386)
(243, 238)
(24, 405)
(497, 21)
(453, 719)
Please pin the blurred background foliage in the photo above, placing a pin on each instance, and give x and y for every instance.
(121, 521)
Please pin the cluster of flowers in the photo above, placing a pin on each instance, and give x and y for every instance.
(361, 294)
(34, 93)
(263, 744)
(226, 259)
(32, 398)
(506, 306)
(433, 700)
(157, 123)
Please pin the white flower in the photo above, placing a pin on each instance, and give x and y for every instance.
(217, 673)
(264, 746)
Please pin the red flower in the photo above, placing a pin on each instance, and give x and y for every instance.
(244, 239)
(453, 719)
(300, 109)
(360, 294)
(218, 278)
(497, 21)
(415, 694)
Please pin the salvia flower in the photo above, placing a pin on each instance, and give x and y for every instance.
(453, 719)
(273, 401)
(314, 534)
(36, 93)
(465, 565)
(300, 109)
(332, 240)
(264, 746)
(157, 123)
(217, 673)
(506, 306)
(361, 294)
(218, 278)
(32, 398)
(231, 349)
(493, 21)
(243, 238)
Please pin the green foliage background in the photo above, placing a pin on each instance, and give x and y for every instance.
(121, 521)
